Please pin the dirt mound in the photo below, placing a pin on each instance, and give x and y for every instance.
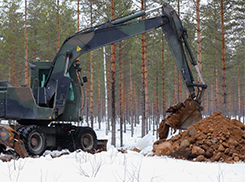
(215, 138)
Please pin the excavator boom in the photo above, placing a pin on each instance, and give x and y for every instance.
(120, 29)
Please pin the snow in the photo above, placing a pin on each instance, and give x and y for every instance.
(114, 166)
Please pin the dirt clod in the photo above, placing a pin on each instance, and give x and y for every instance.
(185, 143)
(163, 149)
(191, 131)
(214, 138)
(200, 158)
(196, 151)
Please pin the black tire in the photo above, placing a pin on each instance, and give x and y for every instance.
(86, 139)
(2, 148)
(34, 139)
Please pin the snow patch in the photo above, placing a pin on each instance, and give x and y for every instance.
(145, 143)
(114, 166)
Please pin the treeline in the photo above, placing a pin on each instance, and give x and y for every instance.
(141, 68)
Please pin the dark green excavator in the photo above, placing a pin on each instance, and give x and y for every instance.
(48, 108)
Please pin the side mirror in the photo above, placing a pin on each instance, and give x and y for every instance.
(85, 79)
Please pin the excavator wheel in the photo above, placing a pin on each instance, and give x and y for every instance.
(34, 139)
(86, 139)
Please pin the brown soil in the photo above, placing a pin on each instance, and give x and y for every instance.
(215, 138)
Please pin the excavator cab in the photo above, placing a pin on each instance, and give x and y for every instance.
(71, 109)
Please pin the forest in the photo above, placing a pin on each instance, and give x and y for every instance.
(140, 69)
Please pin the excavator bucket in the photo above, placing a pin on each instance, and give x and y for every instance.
(190, 114)
(182, 115)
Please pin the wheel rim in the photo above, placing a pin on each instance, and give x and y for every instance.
(36, 141)
(87, 141)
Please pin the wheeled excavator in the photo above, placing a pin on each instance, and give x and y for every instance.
(48, 109)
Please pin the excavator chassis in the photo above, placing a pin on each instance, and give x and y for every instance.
(34, 140)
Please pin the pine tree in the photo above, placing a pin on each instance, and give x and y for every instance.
(12, 28)
(26, 49)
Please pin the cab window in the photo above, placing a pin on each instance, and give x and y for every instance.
(71, 92)
(43, 74)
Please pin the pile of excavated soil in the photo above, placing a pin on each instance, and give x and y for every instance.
(215, 138)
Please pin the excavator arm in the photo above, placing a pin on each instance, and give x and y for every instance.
(114, 31)
(93, 38)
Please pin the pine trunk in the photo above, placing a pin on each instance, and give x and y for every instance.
(144, 79)
(157, 102)
(99, 99)
(9, 67)
(14, 70)
(78, 23)
(179, 78)
(199, 48)
(163, 81)
(35, 42)
(239, 94)
(138, 106)
(78, 14)
(106, 93)
(135, 106)
(216, 83)
(121, 93)
(212, 98)
(113, 85)
(58, 27)
(124, 103)
(175, 87)
(243, 92)
(223, 58)
(91, 77)
(87, 96)
(154, 114)
(231, 102)
(131, 98)
(26, 50)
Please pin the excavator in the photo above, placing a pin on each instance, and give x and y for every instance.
(49, 109)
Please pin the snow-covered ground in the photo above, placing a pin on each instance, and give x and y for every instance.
(114, 166)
